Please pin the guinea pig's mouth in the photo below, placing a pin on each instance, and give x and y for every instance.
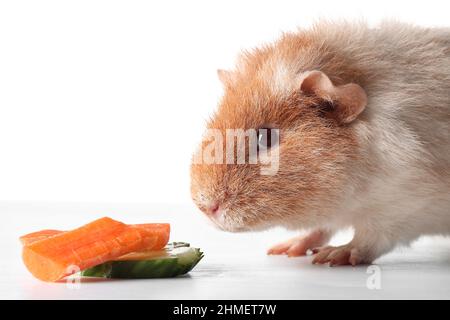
(228, 214)
(220, 220)
(229, 220)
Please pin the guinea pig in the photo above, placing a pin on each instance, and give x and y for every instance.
(362, 117)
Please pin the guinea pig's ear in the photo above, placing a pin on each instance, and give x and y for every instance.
(226, 77)
(348, 100)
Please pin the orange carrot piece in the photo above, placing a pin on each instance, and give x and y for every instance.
(52, 258)
(160, 229)
(39, 235)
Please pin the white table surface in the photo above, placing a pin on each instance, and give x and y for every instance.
(235, 266)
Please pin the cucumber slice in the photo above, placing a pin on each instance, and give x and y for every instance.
(176, 259)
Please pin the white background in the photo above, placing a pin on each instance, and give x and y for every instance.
(101, 106)
(105, 100)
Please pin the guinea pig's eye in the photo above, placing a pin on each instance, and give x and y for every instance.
(267, 138)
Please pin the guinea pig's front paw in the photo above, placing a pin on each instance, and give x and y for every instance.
(298, 246)
(342, 255)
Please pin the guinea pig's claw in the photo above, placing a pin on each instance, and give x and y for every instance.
(292, 248)
(299, 246)
(336, 256)
(281, 248)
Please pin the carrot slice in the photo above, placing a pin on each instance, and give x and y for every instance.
(53, 258)
(160, 229)
(39, 235)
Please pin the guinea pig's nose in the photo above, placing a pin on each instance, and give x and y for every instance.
(211, 208)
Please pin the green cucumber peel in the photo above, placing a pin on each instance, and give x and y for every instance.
(176, 259)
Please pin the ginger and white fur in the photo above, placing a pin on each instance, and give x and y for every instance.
(383, 168)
